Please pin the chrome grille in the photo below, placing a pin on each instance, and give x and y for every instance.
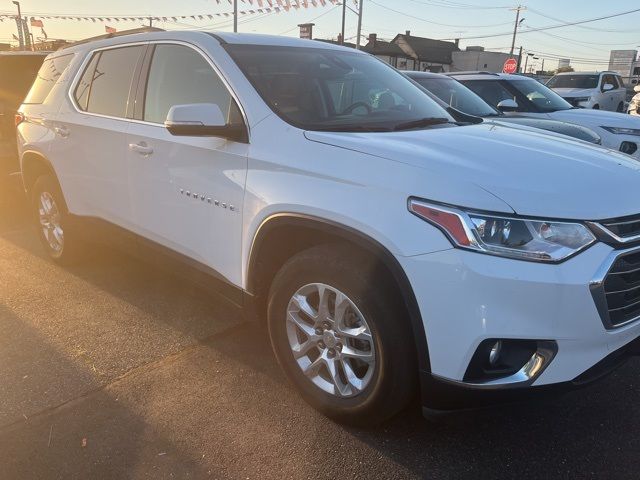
(624, 228)
(622, 289)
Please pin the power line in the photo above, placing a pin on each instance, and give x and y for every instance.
(551, 27)
(437, 23)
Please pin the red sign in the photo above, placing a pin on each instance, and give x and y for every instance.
(510, 66)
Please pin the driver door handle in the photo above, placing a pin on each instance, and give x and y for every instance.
(142, 148)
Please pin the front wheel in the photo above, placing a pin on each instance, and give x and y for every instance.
(620, 107)
(342, 336)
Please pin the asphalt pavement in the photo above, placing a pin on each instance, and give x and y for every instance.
(114, 368)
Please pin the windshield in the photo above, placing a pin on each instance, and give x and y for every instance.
(573, 81)
(322, 89)
(456, 95)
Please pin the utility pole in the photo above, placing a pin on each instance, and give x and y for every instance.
(19, 24)
(235, 16)
(150, 22)
(344, 14)
(515, 27)
(519, 60)
(359, 24)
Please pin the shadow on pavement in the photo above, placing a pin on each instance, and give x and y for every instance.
(118, 441)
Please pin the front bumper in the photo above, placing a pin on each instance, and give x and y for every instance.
(466, 298)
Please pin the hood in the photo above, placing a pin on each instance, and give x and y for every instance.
(574, 92)
(596, 118)
(534, 174)
(554, 126)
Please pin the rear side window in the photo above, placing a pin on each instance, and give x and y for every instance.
(178, 76)
(106, 82)
(49, 73)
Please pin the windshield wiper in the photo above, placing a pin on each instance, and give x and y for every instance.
(349, 128)
(423, 122)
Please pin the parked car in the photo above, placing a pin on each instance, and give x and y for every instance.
(634, 104)
(387, 246)
(17, 72)
(517, 94)
(456, 95)
(597, 90)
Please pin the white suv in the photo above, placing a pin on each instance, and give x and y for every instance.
(387, 246)
(597, 90)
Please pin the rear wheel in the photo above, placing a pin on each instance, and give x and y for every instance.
(341, 336)
(596, 107)
(620, 107)
(59, 240)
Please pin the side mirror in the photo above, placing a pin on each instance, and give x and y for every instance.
(607, 87)
(636, 89)
(508, 105)
(202, 120)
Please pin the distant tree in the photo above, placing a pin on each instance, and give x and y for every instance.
(565, 69)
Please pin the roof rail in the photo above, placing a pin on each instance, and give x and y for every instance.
(131, 31)
(478, 72)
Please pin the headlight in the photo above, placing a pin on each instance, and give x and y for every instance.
(519, 238)
(623, 131)
(581, 99)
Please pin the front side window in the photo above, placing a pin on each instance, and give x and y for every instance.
(574, 81)
(323, 89)
(531, 95)
(49, 73)
(493, 92)
(178, 76)
(456, 95)
(105, 85)
(609, 79)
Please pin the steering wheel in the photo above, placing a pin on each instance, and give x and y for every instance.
(355, 105)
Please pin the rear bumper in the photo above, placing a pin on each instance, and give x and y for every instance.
(445, 395)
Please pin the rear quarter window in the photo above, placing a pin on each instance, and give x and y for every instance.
(50, 72)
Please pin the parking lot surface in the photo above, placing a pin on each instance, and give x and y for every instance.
(116, 369)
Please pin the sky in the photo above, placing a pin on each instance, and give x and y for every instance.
(588, 45)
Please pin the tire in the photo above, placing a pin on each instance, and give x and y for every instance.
(58, 237)
(596, 107)
(620, 108)
(384, 383)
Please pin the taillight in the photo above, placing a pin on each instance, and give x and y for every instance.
(19, 118)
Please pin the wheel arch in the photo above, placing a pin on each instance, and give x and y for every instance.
(34, 164)
(284, 234)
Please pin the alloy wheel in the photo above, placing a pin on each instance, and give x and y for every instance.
(50, 222)
(330, 340)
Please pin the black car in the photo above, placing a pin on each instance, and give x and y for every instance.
(457, 96)
(17, 72)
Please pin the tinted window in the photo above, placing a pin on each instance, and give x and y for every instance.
(49, 73)
(179, 75)
(456, 95)
(105, 90)
(323, 89)
(84, 85)
(609, 79)
(531, 95)
(574, 81)
(492, 92)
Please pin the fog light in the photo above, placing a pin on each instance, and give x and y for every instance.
(494, 354)
(628, 147)
(509, 360)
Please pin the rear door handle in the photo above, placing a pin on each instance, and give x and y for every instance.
(142, 148)
(62, 131)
